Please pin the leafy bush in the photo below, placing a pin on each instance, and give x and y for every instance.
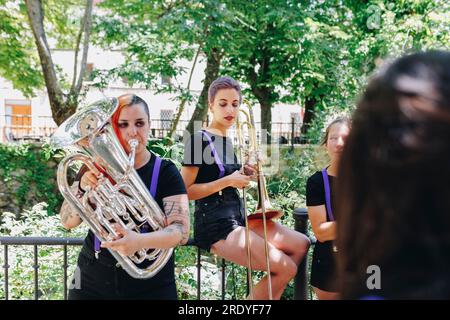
(286, 191)
(168, 149)
(36, 223)
(28, 172)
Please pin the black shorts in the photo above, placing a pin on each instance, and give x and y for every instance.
(95, 280)
(323, 268)
(216, 218)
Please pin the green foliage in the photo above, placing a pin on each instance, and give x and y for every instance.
(18, 63)
(265, 49)
(151, 50)
(155, 36)
(30, 171)
(36, 222)
(167, 149)
(63, 20)
(290, 182)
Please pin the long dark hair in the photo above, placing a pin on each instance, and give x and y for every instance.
(394, 182)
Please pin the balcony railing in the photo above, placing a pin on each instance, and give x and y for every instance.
(37, 128)
(26, 128)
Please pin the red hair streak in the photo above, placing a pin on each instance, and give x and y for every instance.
(124, 100)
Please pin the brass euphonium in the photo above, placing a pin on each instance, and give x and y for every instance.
(250, 154)
(127, 202)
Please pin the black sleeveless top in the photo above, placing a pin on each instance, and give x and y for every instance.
(198, 153)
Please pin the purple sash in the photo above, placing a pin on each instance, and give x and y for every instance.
(153, 186)
(326, 184)
(215, 154)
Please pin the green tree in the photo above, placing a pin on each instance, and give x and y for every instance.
(347, 40)
(18, 61)
(158, 34)
(63, 101)
(391, 28)
(286, 51)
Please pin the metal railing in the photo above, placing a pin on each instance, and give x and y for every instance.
(26, 128)
(35, 242)
(300, 281)
(37, 128)
(301, 286)
(64, 242)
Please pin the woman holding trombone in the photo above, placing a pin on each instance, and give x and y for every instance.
(212, 175)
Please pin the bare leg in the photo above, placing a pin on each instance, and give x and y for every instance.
(291, 242)
(283, 268)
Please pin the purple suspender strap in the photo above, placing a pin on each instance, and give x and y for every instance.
(96, 246)
(326, 184)
(215, 154)
(155, 176)
(153, 187)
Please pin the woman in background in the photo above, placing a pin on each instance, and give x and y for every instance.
(321, 202)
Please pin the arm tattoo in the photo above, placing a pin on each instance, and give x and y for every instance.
(177, 218)
(67, 211)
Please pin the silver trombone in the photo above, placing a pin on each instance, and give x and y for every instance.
(249, 153)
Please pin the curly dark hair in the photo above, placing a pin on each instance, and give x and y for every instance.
(394, 182)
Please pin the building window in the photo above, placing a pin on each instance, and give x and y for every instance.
(17, 118)
(88, 75)
(166, 118)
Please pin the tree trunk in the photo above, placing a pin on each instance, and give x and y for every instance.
(183, 102)
(263, 96)
(266, 119)
(211, 73)
(62, 105)
(262, 92)
(56, 97)
(310, 106)
(86, 26)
